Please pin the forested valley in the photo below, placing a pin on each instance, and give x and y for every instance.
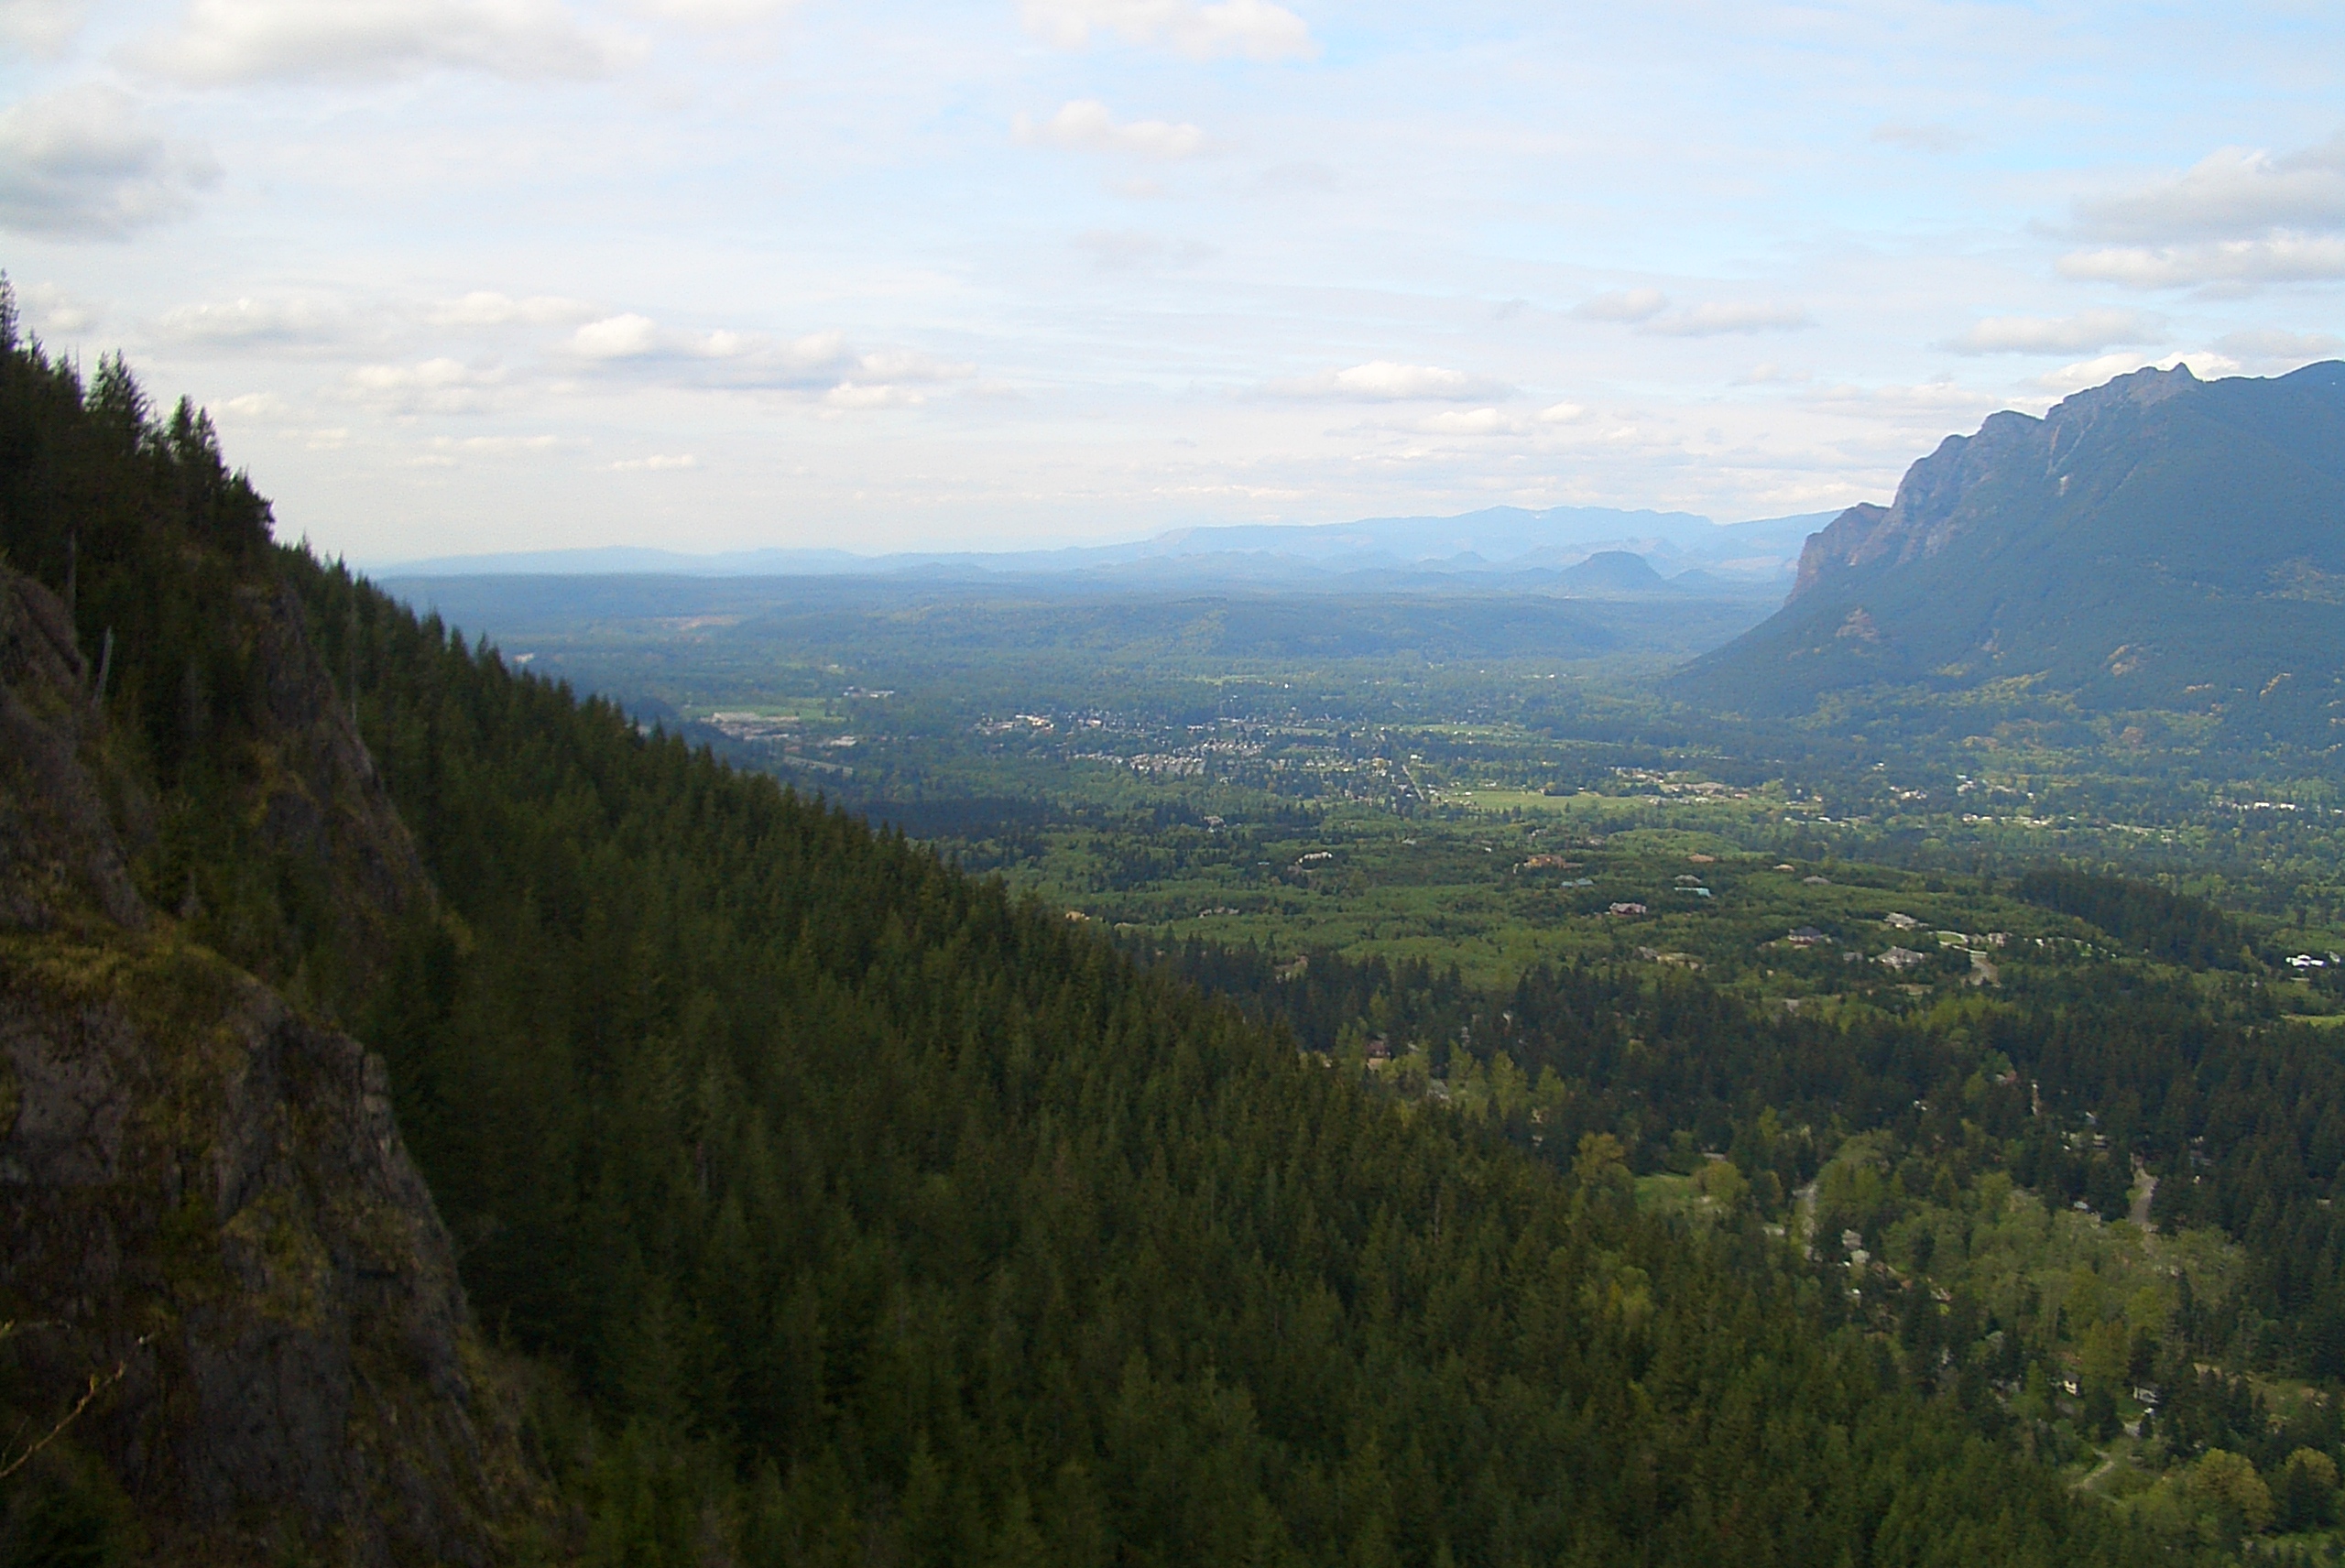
(820, 1202)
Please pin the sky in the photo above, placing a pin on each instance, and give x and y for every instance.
(460, 276)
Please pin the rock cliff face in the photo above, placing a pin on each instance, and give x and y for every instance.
(2157, 542)
(1972, 481)
(204, 1202)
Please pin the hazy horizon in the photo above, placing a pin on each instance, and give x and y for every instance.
(464, 275)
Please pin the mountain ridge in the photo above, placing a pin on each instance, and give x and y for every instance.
(1508, 540)
(2159, 541)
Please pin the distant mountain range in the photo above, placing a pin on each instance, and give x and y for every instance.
(1500, 545)
(2158, 542)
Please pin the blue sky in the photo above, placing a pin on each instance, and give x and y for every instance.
(464, 275)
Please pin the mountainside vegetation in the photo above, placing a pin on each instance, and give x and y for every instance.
(2157, 543)
(873, 1203)
(231, 1327)
(2173, 926)
(846, 1209)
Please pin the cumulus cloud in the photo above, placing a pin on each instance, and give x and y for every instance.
(1623, 305)
(1383, 381)
(482, 307)
(496, 446)
(713, 13)
(1473, 422)
(1647, 309)
(1086, 124)
(1930, 402)
(851, 397)
(1498, 422)
(433, 386)
(631, 336)
(2204, 364)
(2268, 347)
(2228, 193)
(275, 323)
(225, 42)
(1248, 29)
(655, 464)
(1719, 317)
(823, 365)
(40, 28)
(1920, 138)
(2080, 333)
(46, 308)
(1125, 250)
(2235, 264)
(617, 337)
(86, 162)
(2237, 219)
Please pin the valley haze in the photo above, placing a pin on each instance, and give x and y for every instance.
(1494, 544)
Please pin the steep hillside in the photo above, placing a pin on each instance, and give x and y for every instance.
(2160, 542)
(895, 1220)
(852, 1211)
(234, 1330)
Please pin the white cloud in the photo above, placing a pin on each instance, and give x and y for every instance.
(2204, 364)
(1249, 29)
(2237, 219)
(1623, 305)
(901, 364)
(484, 309)
(2230, 193)
(654, 464)
(46, 308)
(1928, 401)
(85, 161)
(1562, 414)
(2080, 333)
(1121, 250)
(2289, 258)
(222, 42)
(497, 446)
(267, 409)
(2271, 346)
(40, 28)
(851, 397)
(269, 323)
(1086, 124)
(1767, 372)
(1472, 422)
(821, 364)
(434, 386)
(713, 13)
(1382, 381)
(1920, 138)
(1648, 311)
(631, 336)
(617, 337)
(1716, 318)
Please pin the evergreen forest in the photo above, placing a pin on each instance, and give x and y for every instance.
(823, 1201)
